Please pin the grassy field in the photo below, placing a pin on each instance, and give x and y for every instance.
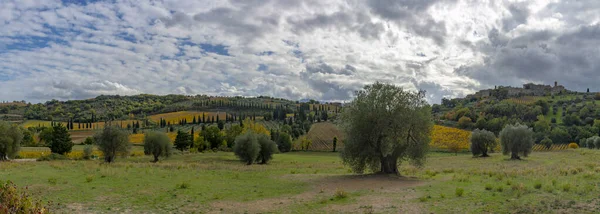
(316, 182)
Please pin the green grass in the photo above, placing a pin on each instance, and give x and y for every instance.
(316, 182)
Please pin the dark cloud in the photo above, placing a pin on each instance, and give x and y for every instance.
(411, 14)
(344, 21)
(571, 58)
(519, 14)
(323, 78)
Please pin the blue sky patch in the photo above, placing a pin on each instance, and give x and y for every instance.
(262, 67)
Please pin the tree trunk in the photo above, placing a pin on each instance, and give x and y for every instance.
(515, 156)
(389, 165)
(484, 154)
(155, 158)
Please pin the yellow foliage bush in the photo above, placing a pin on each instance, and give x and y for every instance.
(451, 139)
(573, 146)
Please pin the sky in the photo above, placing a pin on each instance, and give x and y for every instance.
(294, 49)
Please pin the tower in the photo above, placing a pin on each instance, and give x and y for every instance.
(555, 83)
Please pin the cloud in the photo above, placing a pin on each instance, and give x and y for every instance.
(313, 49)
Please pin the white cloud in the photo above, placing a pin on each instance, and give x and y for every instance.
(306, 49)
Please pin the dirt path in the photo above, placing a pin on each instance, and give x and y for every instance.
(23, 160)
(379, 187)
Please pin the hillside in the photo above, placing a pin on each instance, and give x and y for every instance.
(552, 111)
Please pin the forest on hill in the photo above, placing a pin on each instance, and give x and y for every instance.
(115, 107)
(562, 117)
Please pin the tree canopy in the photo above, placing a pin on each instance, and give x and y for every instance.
(385, 125)
(10, 140)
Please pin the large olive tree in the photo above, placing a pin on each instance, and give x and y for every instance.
(516, 140)
(10, 140)
(112, 141)
(385, 125)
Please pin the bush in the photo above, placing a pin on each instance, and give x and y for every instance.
(157, 144)
(546, 142)
(89, 141)
(481, 142)
(573, 146)
(516, 140)
(284, 142)
(13, 201)
(10, 140)
(183, 140)
(87, 152)
(460, 192)
(112, 141)
(246, 147)
(52, 156)
(267, 149)
(61, 140)
(591, 142)
(464, 122)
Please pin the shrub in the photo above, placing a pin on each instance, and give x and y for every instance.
(157, 144)
(267, 149)
(87, 152)
(112, 141)
(537, 185)
(183, 185)
(591, 142)
(52, 156)
(14, 201)
(464, 122)
(489, 187)
(89, 141)
(340, 194)
(284, 142)
(183, 140)
(246, 147)
(573, 145)
(516, 140)
(481, 142)
(10, 140)
(61, 140)
(547, 142)
(459, 192)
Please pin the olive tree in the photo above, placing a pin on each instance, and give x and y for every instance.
(385, 125)
(157, 144)
(481, 142)
(247, 147)
(267, 149)
(112, 141)
(516, 140)
(10, 140)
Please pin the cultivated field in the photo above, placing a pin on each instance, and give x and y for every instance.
(309, 182)
(175, 117)
(76, 126)
(322, 134)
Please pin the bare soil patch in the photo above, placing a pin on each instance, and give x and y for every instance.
(379, 186)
